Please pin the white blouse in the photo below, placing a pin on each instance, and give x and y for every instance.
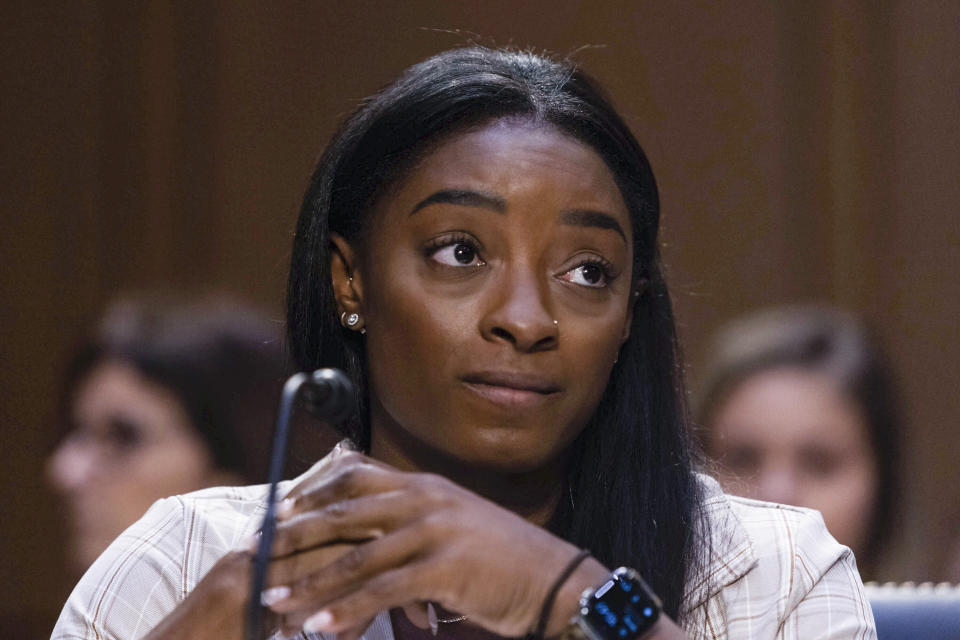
(774, 571)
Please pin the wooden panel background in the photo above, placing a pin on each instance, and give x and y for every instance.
(806, 151)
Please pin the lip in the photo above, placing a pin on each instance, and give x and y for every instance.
(511, 389)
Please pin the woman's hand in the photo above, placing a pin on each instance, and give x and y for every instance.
(412, 537)
(216, 607)
(357, 537)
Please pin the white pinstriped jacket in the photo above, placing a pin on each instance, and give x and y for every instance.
(774, 572)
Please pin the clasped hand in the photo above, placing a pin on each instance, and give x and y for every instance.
(359, 537)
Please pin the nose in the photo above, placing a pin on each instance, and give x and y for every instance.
(71, 467)
(519, 313)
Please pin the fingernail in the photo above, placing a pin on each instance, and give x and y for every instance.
(318, 622)
(285, 508)
(269, 597)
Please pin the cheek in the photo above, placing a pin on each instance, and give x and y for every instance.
(181, 467)
(848, 502)
(591, 350)
(413, 340)
(154, 471)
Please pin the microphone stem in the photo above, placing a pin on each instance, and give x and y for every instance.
(278, 456)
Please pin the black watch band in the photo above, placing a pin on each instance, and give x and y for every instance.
(622, 608)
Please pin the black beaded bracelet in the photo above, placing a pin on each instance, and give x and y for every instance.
(552, 594)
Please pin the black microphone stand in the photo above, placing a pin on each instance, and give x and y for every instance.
(331, 396)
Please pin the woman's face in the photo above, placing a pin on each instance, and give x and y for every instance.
(132, 444)
(495, 286)
(790, 436)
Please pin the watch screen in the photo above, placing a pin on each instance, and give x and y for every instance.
(620, 608)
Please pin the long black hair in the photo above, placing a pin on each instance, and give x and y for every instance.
(635, 499)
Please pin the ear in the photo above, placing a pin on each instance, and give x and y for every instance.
(345, 275)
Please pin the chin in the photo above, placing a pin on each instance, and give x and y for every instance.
(503, 450)
(453, 440)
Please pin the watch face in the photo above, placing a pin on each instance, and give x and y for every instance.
(620, 608)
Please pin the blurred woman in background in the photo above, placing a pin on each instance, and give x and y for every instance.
(798, 408)
(168, 396)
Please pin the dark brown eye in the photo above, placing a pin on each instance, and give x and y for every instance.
(588, 274)
(820, 462)
(743, 460)
(124, 434)
(592, 273)
(464, 253)
(456, 253)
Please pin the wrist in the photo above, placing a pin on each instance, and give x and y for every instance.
(622, 607)
(590, 573)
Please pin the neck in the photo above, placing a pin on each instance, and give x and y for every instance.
(533, 495)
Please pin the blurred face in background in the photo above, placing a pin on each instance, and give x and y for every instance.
(132, 443)
(790, 436)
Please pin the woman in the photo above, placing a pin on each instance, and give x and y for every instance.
(169, 395)
(477, 248)
(798, 407)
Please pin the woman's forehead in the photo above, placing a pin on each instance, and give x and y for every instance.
(505, 158)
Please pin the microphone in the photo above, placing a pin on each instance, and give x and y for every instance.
(328, 395)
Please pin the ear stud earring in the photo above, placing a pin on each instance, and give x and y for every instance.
(351, 321)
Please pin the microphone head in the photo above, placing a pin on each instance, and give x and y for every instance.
(328, 395)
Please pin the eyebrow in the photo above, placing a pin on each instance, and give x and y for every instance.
(591, 218)
(464, 198)
(486, 200)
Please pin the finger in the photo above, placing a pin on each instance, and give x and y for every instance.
(352, 476)
(286, 627)
(354, 633)
(385, 591)
(324, 466)
(290, 629)
(358, 520)
(270, 622)
(354, 569)
(283, 572)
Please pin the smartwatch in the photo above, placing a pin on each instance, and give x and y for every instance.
(622, 608)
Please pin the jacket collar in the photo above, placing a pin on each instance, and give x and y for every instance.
(727, 552)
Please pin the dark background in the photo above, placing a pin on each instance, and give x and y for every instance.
(805, 151)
